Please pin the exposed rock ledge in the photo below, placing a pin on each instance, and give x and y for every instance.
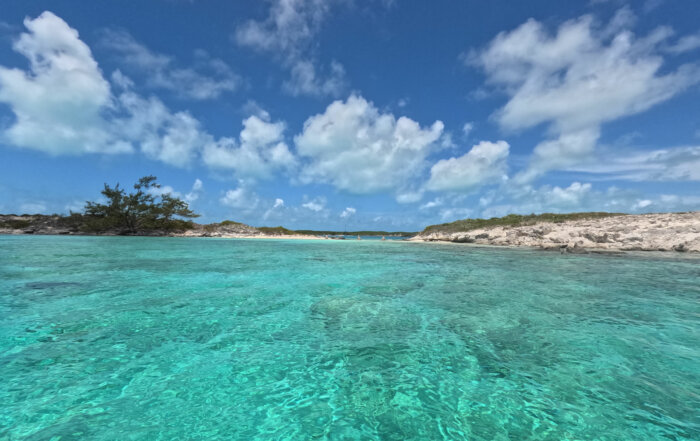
(647, 232)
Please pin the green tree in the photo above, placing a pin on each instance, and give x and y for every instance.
(143, 209)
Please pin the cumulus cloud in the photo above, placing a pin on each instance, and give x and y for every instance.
(241, 198)
(260, 150)
(349, 211)
(356, 148)
(59, 101)
(64, 105)
(189, 197)
(575, 80)
(485, 163)
(173, 138)
(287, 33)
(207, 79)
(304, 79)
(317, 204)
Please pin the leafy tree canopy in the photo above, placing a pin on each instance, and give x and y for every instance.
(142, 209)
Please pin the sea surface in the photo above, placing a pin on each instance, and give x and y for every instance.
(118, 338)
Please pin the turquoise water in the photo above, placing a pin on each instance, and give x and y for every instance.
(199, 339)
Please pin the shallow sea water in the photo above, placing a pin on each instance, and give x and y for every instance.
(116, 338)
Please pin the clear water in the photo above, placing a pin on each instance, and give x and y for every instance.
(201, 339)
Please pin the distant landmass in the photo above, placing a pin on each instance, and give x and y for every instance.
(576, 232)
(148, 212)
(78, 224)
(567, 233)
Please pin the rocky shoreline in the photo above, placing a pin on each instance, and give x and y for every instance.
(678, 232)
(43, 225)
(64, 226)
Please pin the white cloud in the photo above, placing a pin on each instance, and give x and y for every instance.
(316, 204)
(260, 151)
(360, 150)
(58, 103)
(190, 197)
(576, 80)
(194, 193)
(349, 211)
(305, 81)
(277, 207)
(671, 164)
(524, 200)
(288, 33)
(644, 203)
(241, 198)
(409, 196)
(64, 105)
(207, 79)
(467, 128)
(583, 197)
(484, 164)
(290, 25)
(686, 44)
(437, 202)
(173, 138)
(452, 214)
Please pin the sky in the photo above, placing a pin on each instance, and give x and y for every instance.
(353, 114)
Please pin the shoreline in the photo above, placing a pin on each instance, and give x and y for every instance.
(617, 234)
(666, 254)
(663, 253)
(658, 232)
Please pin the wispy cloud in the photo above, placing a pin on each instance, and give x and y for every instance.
(208, 78)
(577, 79)
(288, 34)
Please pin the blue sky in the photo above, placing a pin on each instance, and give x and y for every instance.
(382, 114)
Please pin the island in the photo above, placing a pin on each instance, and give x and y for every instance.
(576, 232)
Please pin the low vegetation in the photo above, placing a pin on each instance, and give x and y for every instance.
(277, 231)
(223, 224)
(513, 220)
(355, 233)
(15, 224)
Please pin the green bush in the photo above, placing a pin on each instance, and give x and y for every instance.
(278, 231)
(15, 224)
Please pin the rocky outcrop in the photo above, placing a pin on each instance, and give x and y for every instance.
(678, 232)
(224, 229)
